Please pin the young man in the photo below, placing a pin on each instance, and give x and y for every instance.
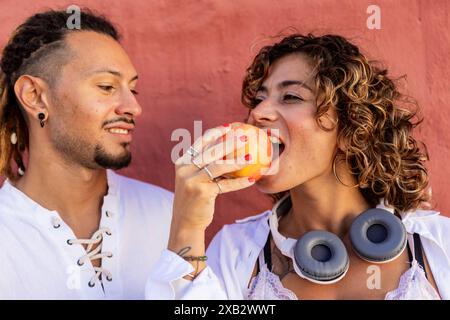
(70, 228)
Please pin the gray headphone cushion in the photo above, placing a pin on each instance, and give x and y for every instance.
(321, 270)
(390, 247)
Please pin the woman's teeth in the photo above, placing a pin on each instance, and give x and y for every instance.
(277, 146)
(274, 140)
(118, 131)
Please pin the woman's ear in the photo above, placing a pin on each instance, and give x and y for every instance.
(31, 92)
(329, 120)
(341, 146)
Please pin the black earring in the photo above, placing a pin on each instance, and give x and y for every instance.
(41, 117)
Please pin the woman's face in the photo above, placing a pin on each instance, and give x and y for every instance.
(286, 101)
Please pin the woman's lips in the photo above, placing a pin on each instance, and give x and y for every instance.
(278, 147)
(277, 156)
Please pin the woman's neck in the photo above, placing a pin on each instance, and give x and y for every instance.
(322, 205)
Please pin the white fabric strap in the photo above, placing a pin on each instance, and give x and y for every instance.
(285, 245)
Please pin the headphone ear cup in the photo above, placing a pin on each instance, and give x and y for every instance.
(321, 257)
(378, 236)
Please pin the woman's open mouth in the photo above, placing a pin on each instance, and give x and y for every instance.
(277, 146)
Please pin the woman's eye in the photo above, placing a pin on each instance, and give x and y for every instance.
(290, 97)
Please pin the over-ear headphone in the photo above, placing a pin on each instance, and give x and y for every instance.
(376, 235)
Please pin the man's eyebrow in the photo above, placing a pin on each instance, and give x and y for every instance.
(287, 83)
(113, 72)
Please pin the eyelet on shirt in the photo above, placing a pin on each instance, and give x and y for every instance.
(108, 214)
(108, 233)
(69, 242)
(90, 284)
(108, 278)
(80, 263)
(110, 256)
(56, 222)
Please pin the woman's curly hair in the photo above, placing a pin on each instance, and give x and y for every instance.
(374, 123)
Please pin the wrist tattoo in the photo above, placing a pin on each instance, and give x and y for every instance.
(182, 253)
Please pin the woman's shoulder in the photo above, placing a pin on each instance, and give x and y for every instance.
(430, 224)
(429, 219)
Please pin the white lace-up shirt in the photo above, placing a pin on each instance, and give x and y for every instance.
(235, 249)
(40, 257)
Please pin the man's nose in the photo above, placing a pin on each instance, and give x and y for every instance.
(129, 106)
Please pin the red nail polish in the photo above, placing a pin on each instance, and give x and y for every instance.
(226, 125)
(248, 157)
(243, 138)
(251, 179)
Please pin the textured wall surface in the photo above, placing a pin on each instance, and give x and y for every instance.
(191, 56)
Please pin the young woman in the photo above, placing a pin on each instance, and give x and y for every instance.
(345, 147)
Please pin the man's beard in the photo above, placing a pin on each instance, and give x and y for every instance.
(108, 161)
(84, 153)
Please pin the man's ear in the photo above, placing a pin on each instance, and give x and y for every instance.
(32, 93)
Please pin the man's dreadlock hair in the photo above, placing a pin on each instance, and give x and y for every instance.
(36, 48)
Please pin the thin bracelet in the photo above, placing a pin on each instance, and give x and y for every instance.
(195, 258)
(198, 259)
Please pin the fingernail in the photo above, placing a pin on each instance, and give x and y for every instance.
(251, 179)
(226, 125)
(248, 157)
(243, 138)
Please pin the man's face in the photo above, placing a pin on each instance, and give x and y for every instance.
(93, 103)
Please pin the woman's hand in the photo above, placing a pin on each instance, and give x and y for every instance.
(195, 190)
(199, 179)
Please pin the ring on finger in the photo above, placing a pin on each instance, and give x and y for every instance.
(209, 173)
(218, 185)
(196, 164)
(192, 152)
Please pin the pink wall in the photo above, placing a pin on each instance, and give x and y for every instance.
(191, 56)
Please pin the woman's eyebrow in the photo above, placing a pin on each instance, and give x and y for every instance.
(287, 83)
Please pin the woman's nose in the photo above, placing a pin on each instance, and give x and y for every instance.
(263, 112)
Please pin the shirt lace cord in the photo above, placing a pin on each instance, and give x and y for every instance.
(94, 254)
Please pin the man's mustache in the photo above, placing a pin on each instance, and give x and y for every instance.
(122, 119)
